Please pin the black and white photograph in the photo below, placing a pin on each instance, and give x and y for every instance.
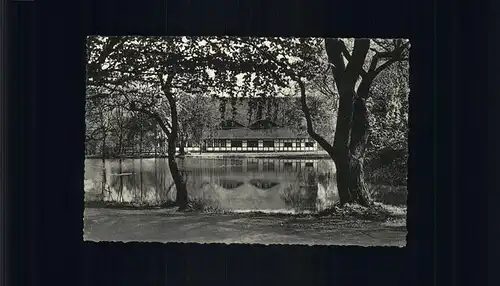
(246, 140)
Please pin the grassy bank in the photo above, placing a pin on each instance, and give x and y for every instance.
(126, 205)
(377, 212)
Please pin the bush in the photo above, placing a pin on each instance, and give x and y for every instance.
(390, 195)
(376, 212)
(168, 204)
(297, 200)
(387, 167)
(119, 205)
(93, 197)
(203, 205)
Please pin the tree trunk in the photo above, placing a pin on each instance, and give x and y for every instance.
(120, 170)
(349, 147)
(357, 146)
(342, 170)
(155, 142)
(352, 122)
(182, 146)
(180, 186)
(172, 133)
(103, 183)
(141, 139)
(103, 154)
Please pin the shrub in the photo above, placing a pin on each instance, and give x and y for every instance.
(297, 200)
(203, 205)
(390, 195)
(168, 204)
(376, 212)
(387, 167)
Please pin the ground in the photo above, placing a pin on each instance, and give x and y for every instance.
(165, 225)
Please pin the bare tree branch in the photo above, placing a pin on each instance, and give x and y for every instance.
(310, 128)
(380, 44)
(391, 57)
(334, 49)
(164, 125)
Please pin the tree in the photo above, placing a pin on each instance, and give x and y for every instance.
(97, 131)
(198, 117)
(354, 65)
(353, 82)
(152, 73)
(165, 67)
(141, 131)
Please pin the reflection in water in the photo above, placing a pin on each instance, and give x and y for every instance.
(263, 184)
(230, 184)
(234, 184)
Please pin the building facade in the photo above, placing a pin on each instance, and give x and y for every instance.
(261, 136)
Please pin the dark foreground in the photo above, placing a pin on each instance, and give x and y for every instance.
(102, 224)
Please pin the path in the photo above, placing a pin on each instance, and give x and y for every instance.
(167, 226)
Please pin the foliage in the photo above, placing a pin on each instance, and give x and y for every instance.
(374, 212)
(390, 195)
(300, 198)
(389, 106)
(203, 205)
(387, 152)
(356, 78)
(198, 117)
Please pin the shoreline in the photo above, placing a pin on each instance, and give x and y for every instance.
(392, 211)
(271, 155)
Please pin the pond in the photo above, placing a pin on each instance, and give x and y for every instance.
(237, 184)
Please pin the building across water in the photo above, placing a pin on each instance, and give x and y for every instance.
(252, 125)
(261, 136)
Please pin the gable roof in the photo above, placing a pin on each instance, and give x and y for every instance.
(230, 124)
(263, 124)
(246, 133)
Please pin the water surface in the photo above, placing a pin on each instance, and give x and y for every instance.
(238, 184)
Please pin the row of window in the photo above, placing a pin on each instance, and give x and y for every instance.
(251, 143)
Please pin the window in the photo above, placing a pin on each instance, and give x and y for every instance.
(268, 143)
(210, 143)
(220, 143)
(236, 143)
(288, 144)
(252, 143)
(309, 144)
(309, 165)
